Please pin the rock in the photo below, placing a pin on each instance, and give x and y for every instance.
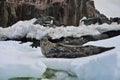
(90, 21)
(66, 12)
(90, 9)
(7, 14)
(93, 20)
(57, 50)
(104, 19)
(47, 21)
(35, 42)
(3, 15)
(112, 33)
(115, 19)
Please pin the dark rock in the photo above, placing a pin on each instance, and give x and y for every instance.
(35, 42)
(104, 19)
(95, 37)
(66, 12)
(3, 14)
(115, 19)
(112, 33)
(93, 20)
(57, 50)
(90, 21)
(7, 14)
(47, 21)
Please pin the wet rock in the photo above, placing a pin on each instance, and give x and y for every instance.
(57, 50)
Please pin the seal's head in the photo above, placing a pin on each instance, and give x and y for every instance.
(46, 45)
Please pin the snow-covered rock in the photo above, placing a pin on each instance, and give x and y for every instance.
(28, 29)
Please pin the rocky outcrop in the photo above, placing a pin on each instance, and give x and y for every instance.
(7, 14)
(67, 12)
(115, 19)
(93, 20)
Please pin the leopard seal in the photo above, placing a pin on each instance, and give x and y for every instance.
(59, 50)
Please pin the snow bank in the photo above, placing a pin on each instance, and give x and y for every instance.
(59, 32)
(97, 67)
(20, 60)
(18, 30)
(28, 29)
(115, 41)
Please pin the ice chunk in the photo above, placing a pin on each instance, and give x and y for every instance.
(97, 67)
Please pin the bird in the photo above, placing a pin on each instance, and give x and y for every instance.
(60, 50)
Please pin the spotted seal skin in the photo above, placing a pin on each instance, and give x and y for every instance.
(59, 50)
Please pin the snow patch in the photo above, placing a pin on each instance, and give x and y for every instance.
(28, 29)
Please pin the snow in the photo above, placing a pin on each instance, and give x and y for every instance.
(24, 61)
(110, 42)
(20, 60)
(98, 67)
(28, 29)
